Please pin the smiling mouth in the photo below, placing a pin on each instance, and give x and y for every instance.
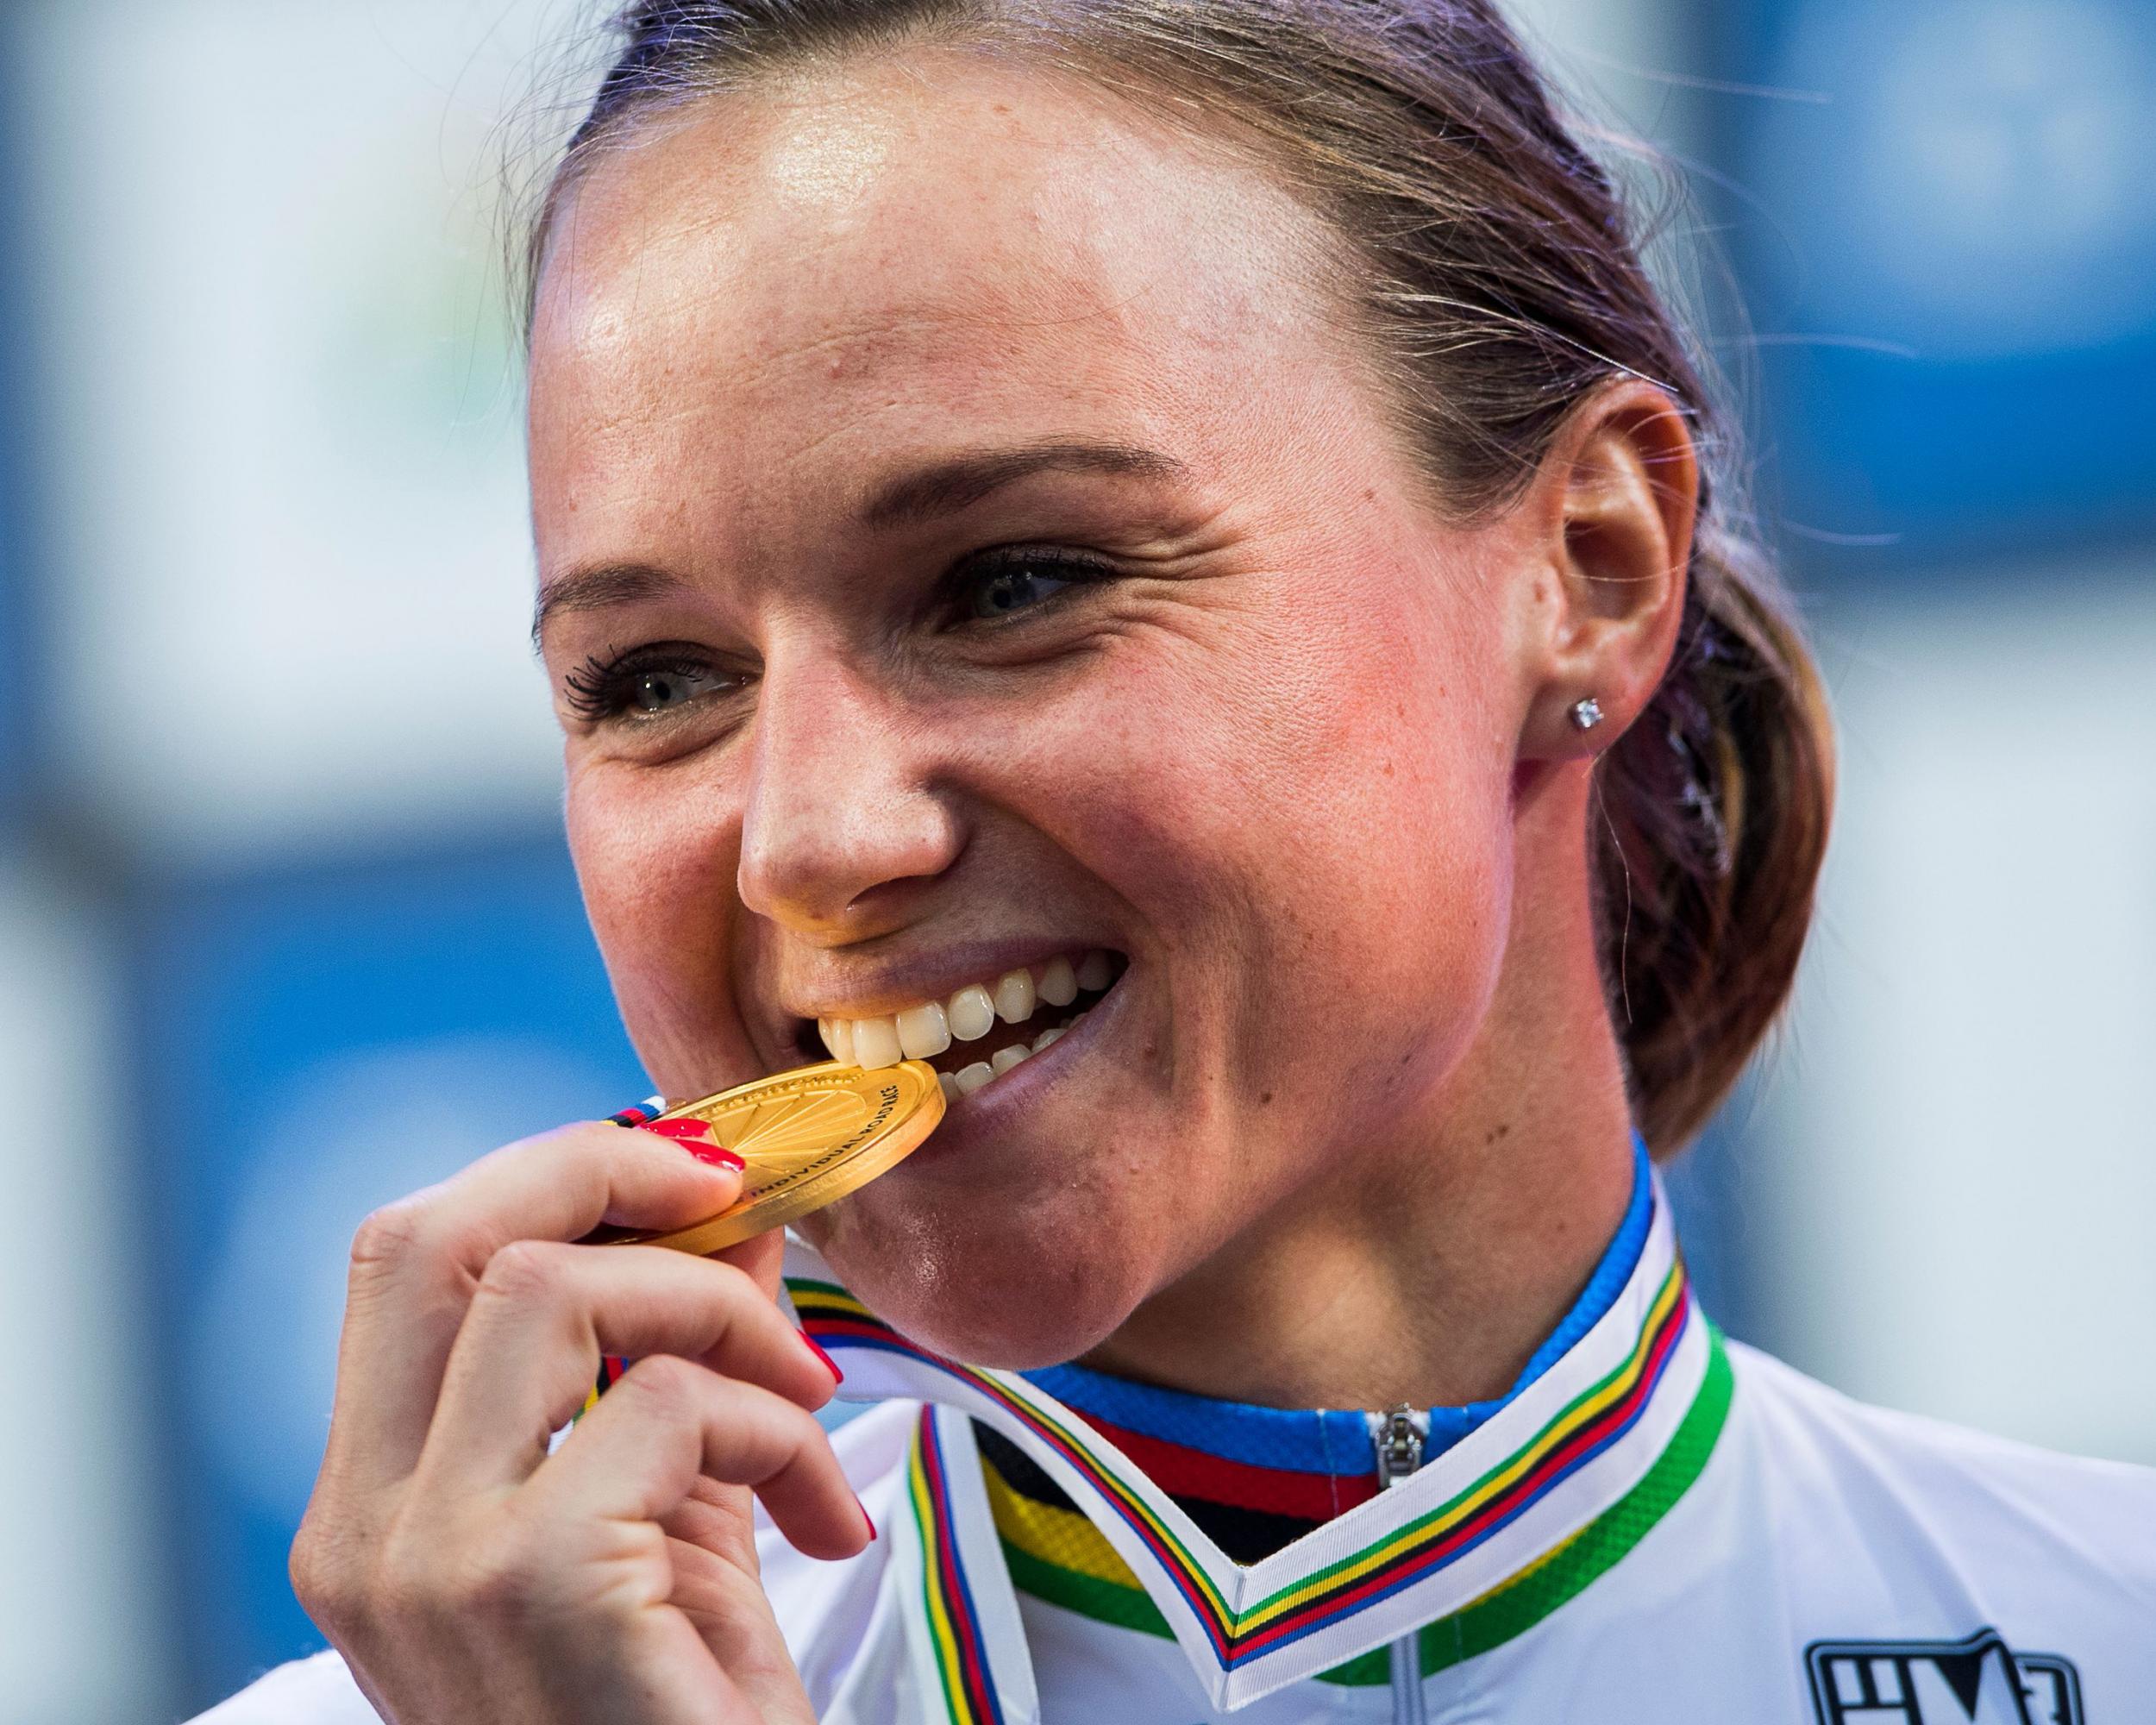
(974, 1036)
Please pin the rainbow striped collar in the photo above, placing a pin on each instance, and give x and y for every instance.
(1556, 1485)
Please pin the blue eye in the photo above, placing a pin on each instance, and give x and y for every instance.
(1017, 581)
(661, 690)
(649, 683)
(1010, 590)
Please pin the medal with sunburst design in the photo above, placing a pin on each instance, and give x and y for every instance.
(809, 1137)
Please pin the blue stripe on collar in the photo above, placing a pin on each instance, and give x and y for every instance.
(1334, 1441)
(1309, 1441)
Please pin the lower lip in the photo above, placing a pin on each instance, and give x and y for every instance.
(998, 1107)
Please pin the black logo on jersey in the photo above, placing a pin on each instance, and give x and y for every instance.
(1976, 1682)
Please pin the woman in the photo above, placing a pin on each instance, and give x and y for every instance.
(1180, 526)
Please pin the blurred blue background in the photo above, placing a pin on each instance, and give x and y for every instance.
(288, 928)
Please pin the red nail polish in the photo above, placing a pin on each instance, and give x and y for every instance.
(830, 1365)
(695, 1137)
(865, 1516)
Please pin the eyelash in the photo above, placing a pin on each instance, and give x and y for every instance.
(602, 689)
(1074, 567)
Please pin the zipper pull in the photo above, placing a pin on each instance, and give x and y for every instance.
(1399, 1441)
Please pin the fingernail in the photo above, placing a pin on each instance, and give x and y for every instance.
(695, 1137)
(865, 1516)
(830, 1365)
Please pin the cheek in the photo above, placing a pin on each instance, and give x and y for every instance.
(657, 865)
(1402, 863)
(1312, 813)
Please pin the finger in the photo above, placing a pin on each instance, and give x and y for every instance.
(669, 1423)
(717, 1587)
(416, 1264)
(763, 1258)
(544, 1313)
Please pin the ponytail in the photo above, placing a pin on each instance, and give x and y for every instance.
(1711, 813)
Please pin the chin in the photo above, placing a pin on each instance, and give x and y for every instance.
(974, 1287)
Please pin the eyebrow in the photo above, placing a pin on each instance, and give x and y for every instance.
(949, 486)
(942, 488)
(599, 588)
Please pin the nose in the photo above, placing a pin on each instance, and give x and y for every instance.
(838, 809)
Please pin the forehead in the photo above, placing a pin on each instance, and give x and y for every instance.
(917, 253)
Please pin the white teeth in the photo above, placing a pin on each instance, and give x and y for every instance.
(876, 1042)
(1014, 996)
(969, 1079)
(922, 1031)
(1058, 987)
(970, 1013)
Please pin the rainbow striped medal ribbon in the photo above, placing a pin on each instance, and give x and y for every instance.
(1484, 1541)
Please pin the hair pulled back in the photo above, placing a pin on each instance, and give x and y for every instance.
(1493, 267)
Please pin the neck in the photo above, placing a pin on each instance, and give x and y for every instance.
(1431, 1276)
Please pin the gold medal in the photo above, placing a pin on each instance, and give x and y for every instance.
(808, 1137)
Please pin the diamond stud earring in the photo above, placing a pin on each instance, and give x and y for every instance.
(1587, 712)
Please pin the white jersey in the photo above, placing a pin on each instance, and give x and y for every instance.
(1661, 1527)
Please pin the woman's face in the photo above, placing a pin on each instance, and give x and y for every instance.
(964, 541)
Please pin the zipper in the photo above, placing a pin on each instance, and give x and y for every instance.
(1398, 1439)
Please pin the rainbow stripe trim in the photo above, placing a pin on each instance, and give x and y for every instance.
(610, 1371)
(1183, 1472)
(1059, 1556)
(953, 1620)
(1585, 1427)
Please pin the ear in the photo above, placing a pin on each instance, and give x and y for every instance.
(1611, 511)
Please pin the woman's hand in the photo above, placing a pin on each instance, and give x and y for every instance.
(467, 1576)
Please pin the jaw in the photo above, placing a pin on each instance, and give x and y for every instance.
(979, 1276)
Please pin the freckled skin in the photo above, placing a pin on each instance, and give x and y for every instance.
(1361, 1129)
